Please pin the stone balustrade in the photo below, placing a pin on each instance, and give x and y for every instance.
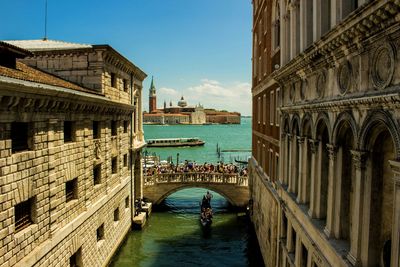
(196, 177)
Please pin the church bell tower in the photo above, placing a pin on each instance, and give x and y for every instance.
(152, 97)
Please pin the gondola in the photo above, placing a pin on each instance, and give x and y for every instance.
(206, 217)
(206, 213)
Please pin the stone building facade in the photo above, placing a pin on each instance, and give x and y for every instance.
(338, 182)
(70, 153)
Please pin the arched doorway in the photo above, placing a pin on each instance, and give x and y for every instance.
(381, 196)
(322, 136)
(344, 177)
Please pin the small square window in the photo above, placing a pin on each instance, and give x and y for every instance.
(126, 126)
(96, 130)
(126, 85)
(127, 203)
(114, 128)
(76, 259)
(19, 136)
(97, 174)
(23, 214)
(71, 190)
(114, 165)
(126, 160)
(113, 80)
(116, 215)
(69, 131)
(100, 233)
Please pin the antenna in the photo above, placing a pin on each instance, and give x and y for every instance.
(45, 23)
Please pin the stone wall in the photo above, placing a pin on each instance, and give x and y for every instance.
(264, 213)
(39, 173)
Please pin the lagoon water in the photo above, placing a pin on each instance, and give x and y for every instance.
(173, 236)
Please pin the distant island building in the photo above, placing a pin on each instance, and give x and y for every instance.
(182, 113)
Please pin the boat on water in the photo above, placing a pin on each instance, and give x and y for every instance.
(175, 142)
(206, 217)
(206, 213)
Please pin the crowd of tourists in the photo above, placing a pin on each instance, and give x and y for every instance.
(194, 167)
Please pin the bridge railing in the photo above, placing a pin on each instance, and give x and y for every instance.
(196, 177)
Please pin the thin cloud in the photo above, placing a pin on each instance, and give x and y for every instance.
(168, 91)
(235, 96)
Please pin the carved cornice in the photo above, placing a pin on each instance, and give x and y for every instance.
(38, 103)
(367, 21)
(372, 99)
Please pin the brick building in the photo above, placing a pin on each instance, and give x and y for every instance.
(332, 196)
(70, 141)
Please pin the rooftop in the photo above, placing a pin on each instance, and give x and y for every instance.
(26, 73)
(43, 45)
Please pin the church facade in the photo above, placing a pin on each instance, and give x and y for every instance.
(182, 113)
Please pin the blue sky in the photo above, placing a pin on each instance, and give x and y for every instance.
(198, 48)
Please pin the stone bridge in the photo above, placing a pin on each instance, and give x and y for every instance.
(231, 186)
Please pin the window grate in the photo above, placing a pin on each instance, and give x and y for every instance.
(23, 215)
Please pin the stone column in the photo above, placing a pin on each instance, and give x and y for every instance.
(395, 258)
(284, 42)
(317, 19)
(331, 190)
(315, 172)
(300, 177)
(289, 163)
(294, 29)
(358, 161)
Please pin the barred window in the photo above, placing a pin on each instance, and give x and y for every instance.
(97, 174)
(126, 85)
(114, 128)
(126, 160)
(19, 136)
(96, 130)
(116, 215)
(69, 131)
(114, 165)
(126, 124)
(76, 259)
(23, 214)
(71, 190)
(113, 80)
(100, 233)
(126, 202)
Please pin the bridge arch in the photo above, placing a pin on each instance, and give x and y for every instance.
(206, 187)
(232, 187)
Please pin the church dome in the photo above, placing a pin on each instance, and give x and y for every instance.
(182, 103)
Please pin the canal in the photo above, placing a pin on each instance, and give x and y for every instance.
(174, 236)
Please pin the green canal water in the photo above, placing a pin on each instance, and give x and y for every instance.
(173, 235)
